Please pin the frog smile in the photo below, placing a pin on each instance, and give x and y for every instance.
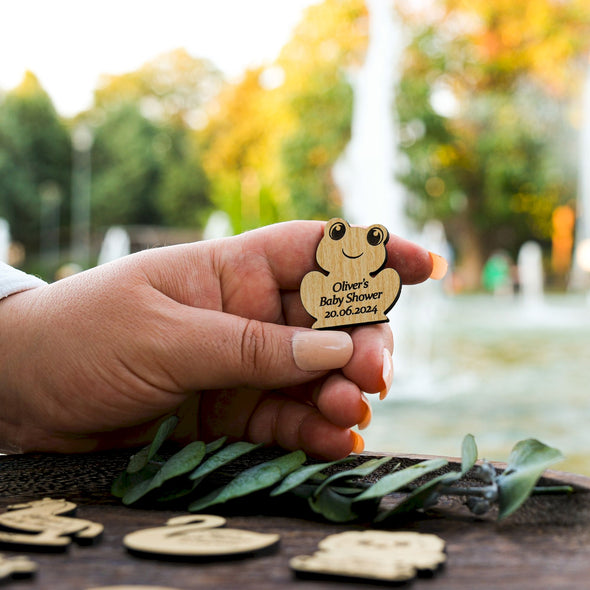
(352, 257)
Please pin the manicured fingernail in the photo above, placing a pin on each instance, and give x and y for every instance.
(358, 444)
(315, 350)
(439, 266)
(387, 373)
(367, 415)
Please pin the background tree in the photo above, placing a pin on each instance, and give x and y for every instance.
(146, 163)
(330, 39)
(273, 139)
(35, 153)
(483, 104)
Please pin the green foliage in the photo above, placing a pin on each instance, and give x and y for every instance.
(145, 172)
(35, 150)
(322, 111)
(330, 490)
(526, 463)
(252, 480)
(223, 457)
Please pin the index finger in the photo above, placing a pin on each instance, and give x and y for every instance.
(289, 249)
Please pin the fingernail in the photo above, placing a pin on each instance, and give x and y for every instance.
(387, 374)
(366, 420)
(439, 266)
(320, 351)
(358, 444)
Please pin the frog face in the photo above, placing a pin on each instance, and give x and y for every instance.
(343, 245)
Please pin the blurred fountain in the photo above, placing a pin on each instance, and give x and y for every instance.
(581, 265)
(366, 177)
(530, 275)
(218, 226)
(116, 244)
(4, 240)
(365, 174)
(583, 229)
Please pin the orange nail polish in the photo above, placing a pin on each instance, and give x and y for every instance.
(439, 266)
(387, 373)
(366, 420)
(358, 444)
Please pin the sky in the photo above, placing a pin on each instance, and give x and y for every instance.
(68, 44)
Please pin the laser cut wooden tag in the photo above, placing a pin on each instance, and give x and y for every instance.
(53, 532)
(16, 567)
(373, 555)
(357, 289)
(197, 535)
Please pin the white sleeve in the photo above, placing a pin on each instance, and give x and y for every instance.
(13, 280)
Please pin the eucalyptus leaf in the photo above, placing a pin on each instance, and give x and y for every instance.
(125, 481)
(215, 445)
(223, 457)
(528, 460)
(302, 475)
(145, 455)
(180, 463)
(392, 482)
(362, 470)
(138, 461)
(337, 507)
(421, 497)
(252, 480)
(164, 431)
(468, 453)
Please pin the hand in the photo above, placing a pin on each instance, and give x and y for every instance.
(213, 331)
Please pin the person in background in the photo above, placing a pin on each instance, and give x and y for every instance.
(212, 331)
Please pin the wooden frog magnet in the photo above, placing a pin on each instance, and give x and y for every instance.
(357, 289)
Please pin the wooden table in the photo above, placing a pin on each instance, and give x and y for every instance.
(544, 545)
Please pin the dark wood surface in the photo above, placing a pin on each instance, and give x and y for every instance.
(545, 545)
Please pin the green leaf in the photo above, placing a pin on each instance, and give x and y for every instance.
(138, 461)
(362, 470)
(337, 507)
(252, 480)
(421, 497)
(166, 429)
(180, 463)
(528, 460)
(397, 480)
(125, 481)
(223, 457)
(468, 453)
(215, 445)
(302, 475)
(143, 457)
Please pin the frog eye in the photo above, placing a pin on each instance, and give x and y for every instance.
(337, 231)
(375, 236)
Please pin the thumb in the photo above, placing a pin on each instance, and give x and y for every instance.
(218, 350)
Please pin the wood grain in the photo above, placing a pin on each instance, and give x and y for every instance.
(545, 544)
(356, 289)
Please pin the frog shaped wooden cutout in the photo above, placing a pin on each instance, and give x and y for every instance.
(357, 289)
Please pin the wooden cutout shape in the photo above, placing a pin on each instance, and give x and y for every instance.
(373, 555)
(16, 567)
(197, 535)
(54, 533)
(357, 289)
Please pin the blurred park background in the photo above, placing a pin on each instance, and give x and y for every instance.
(463, 125)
